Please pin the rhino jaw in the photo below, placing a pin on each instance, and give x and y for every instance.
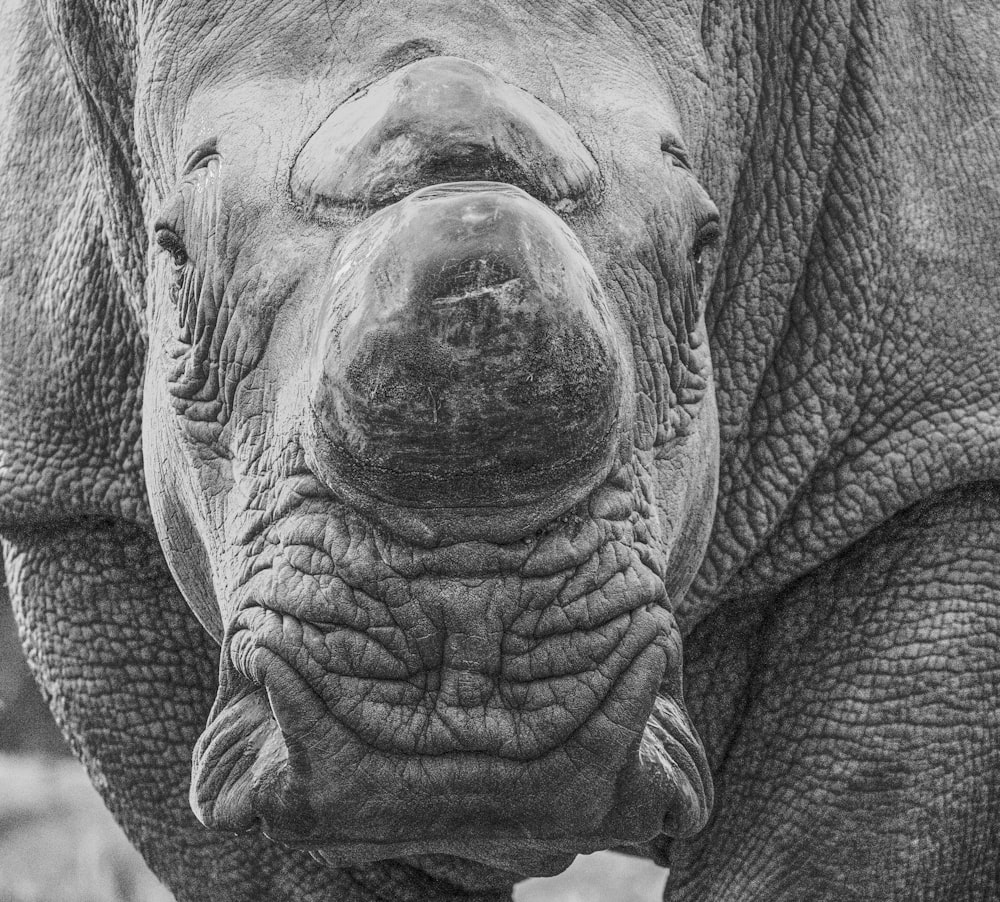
(289, 750)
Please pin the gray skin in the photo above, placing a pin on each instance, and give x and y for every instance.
(450, 472)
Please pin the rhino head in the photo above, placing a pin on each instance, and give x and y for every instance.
(429, 426)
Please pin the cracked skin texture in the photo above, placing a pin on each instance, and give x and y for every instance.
(841, 635)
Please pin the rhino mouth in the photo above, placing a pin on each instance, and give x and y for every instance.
(499, 714)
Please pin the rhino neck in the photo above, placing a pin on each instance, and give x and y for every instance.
(853, 347)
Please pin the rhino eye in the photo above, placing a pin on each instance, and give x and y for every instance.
(183, 284)
(169, 241)
(706, 240)
(193, 212)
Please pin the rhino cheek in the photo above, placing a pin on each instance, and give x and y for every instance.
(175, 497)
(695, 467)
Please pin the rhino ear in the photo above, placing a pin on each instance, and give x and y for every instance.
(101, 49)
(71, 348)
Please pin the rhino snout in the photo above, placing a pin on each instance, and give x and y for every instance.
(465, 357)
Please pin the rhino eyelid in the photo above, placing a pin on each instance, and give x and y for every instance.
(201, 155)
(168, 240)
(675, 150)
(708, 237)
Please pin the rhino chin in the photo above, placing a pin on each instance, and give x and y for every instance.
(321, 791)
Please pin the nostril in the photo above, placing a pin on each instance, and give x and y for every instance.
(440, 120)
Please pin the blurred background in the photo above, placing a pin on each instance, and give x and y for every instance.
(59, 844)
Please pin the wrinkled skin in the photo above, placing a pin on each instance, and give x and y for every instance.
(375, 510)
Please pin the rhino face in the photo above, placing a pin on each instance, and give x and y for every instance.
(429, 426)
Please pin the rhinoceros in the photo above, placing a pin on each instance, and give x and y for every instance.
(390, 390)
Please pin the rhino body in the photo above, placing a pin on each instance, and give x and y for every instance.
(390, 391)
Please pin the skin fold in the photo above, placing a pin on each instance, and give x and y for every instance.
(248, 483)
